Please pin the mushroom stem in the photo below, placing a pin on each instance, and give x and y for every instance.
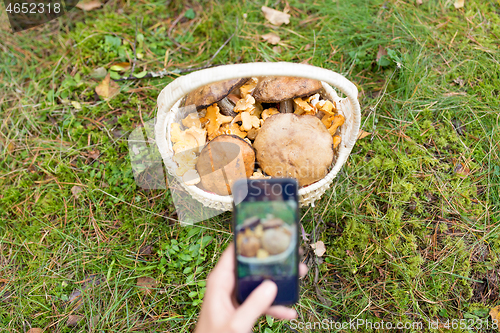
(226, 107)
(286, 106)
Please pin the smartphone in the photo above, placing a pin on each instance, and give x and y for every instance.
(265, 224)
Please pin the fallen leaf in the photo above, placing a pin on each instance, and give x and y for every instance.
(419, 2)
(381, 52)
(94, 154)
(304, 233)
(459, 82)
(495, 315)
(146, 283)
(74, 295)
(99, 73)
(76, 105)
(363, 134)
(10, 147)
(107, 89)
(94, 321)
(146, 250)
(459, 3)
(275, 16)
(459, 93)
(120, 67)
(319, 248)
(462, 170)
(271, 38)
(76, 190)
(35, 330)
(89, 5)
(73, 320)
(277, 49)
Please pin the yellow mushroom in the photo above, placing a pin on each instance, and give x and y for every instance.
(191, 120)
(338, 120)
(327, 107)
(269, 112)
(302, 107)
(249, 121)
(336, 141)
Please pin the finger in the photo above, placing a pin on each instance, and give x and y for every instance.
(256, 304)
(222, 276)
(282, 312)
(303, 269)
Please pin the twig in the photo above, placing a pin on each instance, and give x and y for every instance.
(165, 72)
(135, 49)
(170, 31)
(225, 43)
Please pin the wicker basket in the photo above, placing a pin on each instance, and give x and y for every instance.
(171, 96)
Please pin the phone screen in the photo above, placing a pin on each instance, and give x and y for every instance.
(266, 236)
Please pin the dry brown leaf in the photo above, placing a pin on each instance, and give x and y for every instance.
(73, 320)
(35, 330)
(120, 66)
(363, 134)
(319, 248)
(495, 315)
(89, 5)
(459, 3)
(459, 93)
(271, 38)
(275, 16)
(381, 52)
(462, 170)
(277, 49)
(419, 2)
(76, 190)
(107, 89)
(146, 283)
(94, 154)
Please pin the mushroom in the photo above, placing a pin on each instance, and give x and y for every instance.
(249, 246)
(275, 240)
(224, 160)
(215, 120)
(284, 89)
(333, 122)
(273, 223)
(288, 145)
(336, 141)
(250, 222)
(215, 93)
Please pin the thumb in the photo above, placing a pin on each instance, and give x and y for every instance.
(256, 304)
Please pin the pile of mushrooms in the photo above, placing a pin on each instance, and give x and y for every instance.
(282, 123)
(263, 238)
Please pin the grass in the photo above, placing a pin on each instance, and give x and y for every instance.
(410, 225)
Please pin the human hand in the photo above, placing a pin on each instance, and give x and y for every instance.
(220, 313)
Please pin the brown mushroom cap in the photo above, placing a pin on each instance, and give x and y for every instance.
(275, 241)
(212, 93)
(277, 89)
(273, 223)
(224, 160)
(250, 222)
(288, 145)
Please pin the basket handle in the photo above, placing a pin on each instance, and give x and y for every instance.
(183, 85)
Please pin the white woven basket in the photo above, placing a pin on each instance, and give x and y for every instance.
(171, 96)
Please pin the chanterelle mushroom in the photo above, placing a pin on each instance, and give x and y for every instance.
(213, 93)
(284, 89)
(288, 145)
